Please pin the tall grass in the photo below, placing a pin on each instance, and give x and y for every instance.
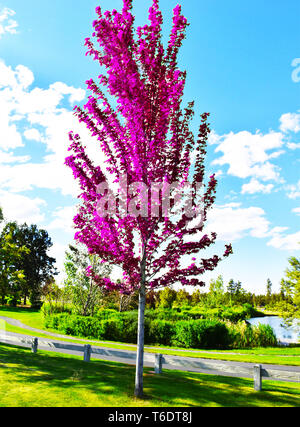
(243, 335)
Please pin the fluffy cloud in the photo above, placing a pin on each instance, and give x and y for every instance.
(233, 222)
(63, 219)
(11, 158)
(41, 115)
(293, 190)
(7, 24)
(254, 186)
(289, 242)
(17, 207)
(249, 155)
(293, 145)
(296, 211)
(33, 134)
(290, 122)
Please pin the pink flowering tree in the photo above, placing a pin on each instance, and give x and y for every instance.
(129, 214)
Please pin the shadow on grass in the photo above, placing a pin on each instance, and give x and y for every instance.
(112, 384)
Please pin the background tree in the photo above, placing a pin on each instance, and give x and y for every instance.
(11, 276)
(146, 140)
(166, 298)
(286, 289)
(35, 263)
(183, 298)
(269, 289)
(85, 293)
(196, 297)
(293, 277)
(234, 288)
(128, 302)
(215, 296)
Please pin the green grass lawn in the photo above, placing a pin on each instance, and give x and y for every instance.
(49, 379)
(28, 316)
(274, 355)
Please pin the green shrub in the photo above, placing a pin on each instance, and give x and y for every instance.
(74, 325)
(107, 313)
(192, 333)
(161, 332)
(49, 308)
(201, 333)
(130, 320)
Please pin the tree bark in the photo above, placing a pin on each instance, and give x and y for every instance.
(140, 335)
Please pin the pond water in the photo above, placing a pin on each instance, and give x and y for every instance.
(284, 334)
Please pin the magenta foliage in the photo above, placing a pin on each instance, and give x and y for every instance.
(146, 137)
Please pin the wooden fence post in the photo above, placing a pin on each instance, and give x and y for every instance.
(34, 345)
(158, 363)
(257, 377)
(87, 353)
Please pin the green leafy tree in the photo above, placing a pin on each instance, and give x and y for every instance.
(215, 297)
(234, 288)
(269, 288)
(166, 297)
(11, 276)
(293, 275)
(286, 289)
(84, 292)
(183, 298)
(196, 297)
(35, 263)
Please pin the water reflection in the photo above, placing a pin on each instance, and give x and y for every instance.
(283, 333)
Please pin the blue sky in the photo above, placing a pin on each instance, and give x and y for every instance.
(238, 56)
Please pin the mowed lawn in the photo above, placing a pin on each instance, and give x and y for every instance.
(49, 379)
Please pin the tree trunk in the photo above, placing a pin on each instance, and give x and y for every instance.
(140, 337)
(88, 299)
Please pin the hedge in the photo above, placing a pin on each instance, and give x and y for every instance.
(194, 333)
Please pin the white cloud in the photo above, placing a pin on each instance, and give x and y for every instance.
(293, 190)
(296, 211)
(63, 219)
(232, 222)
(38, 115)
(49, 175)
(254, 186)
(289, 242)
(290, 122)
(10, 138)
(33, 134)
(11, 158)
(7, 25)
(293, 145)
(21, 208)
(247, 154)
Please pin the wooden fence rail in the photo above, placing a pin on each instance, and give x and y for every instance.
(217, 367)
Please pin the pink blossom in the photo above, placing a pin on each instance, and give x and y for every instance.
(146, 135)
